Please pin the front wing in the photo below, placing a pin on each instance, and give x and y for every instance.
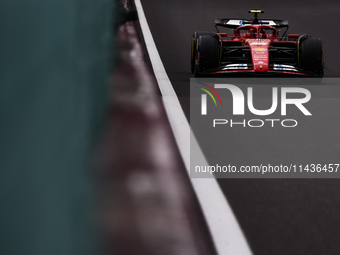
(247, 69)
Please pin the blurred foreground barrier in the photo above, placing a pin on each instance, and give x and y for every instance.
(146, 203)
(54, 62)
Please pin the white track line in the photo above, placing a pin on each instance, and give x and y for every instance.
(224, 228)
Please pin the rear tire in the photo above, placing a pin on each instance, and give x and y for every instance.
(194, 39)
(311, 58)
(208, 53)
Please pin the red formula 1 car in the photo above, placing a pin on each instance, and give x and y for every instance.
(255, 48)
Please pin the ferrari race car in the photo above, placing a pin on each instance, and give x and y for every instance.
(255, 48)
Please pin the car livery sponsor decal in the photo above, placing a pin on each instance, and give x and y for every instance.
(260, 49)
(258, 57)
(259, 43)
(235, 22)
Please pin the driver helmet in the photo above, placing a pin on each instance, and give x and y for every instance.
(263, 32)
(251, 32)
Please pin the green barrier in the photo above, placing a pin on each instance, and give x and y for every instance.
(54, 62)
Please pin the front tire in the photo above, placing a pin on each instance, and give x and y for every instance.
(311, 57)
(194, 46)
(207, 54)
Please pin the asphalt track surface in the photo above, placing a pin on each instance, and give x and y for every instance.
(278, 216)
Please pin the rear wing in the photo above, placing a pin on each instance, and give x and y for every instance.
(235, 23)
